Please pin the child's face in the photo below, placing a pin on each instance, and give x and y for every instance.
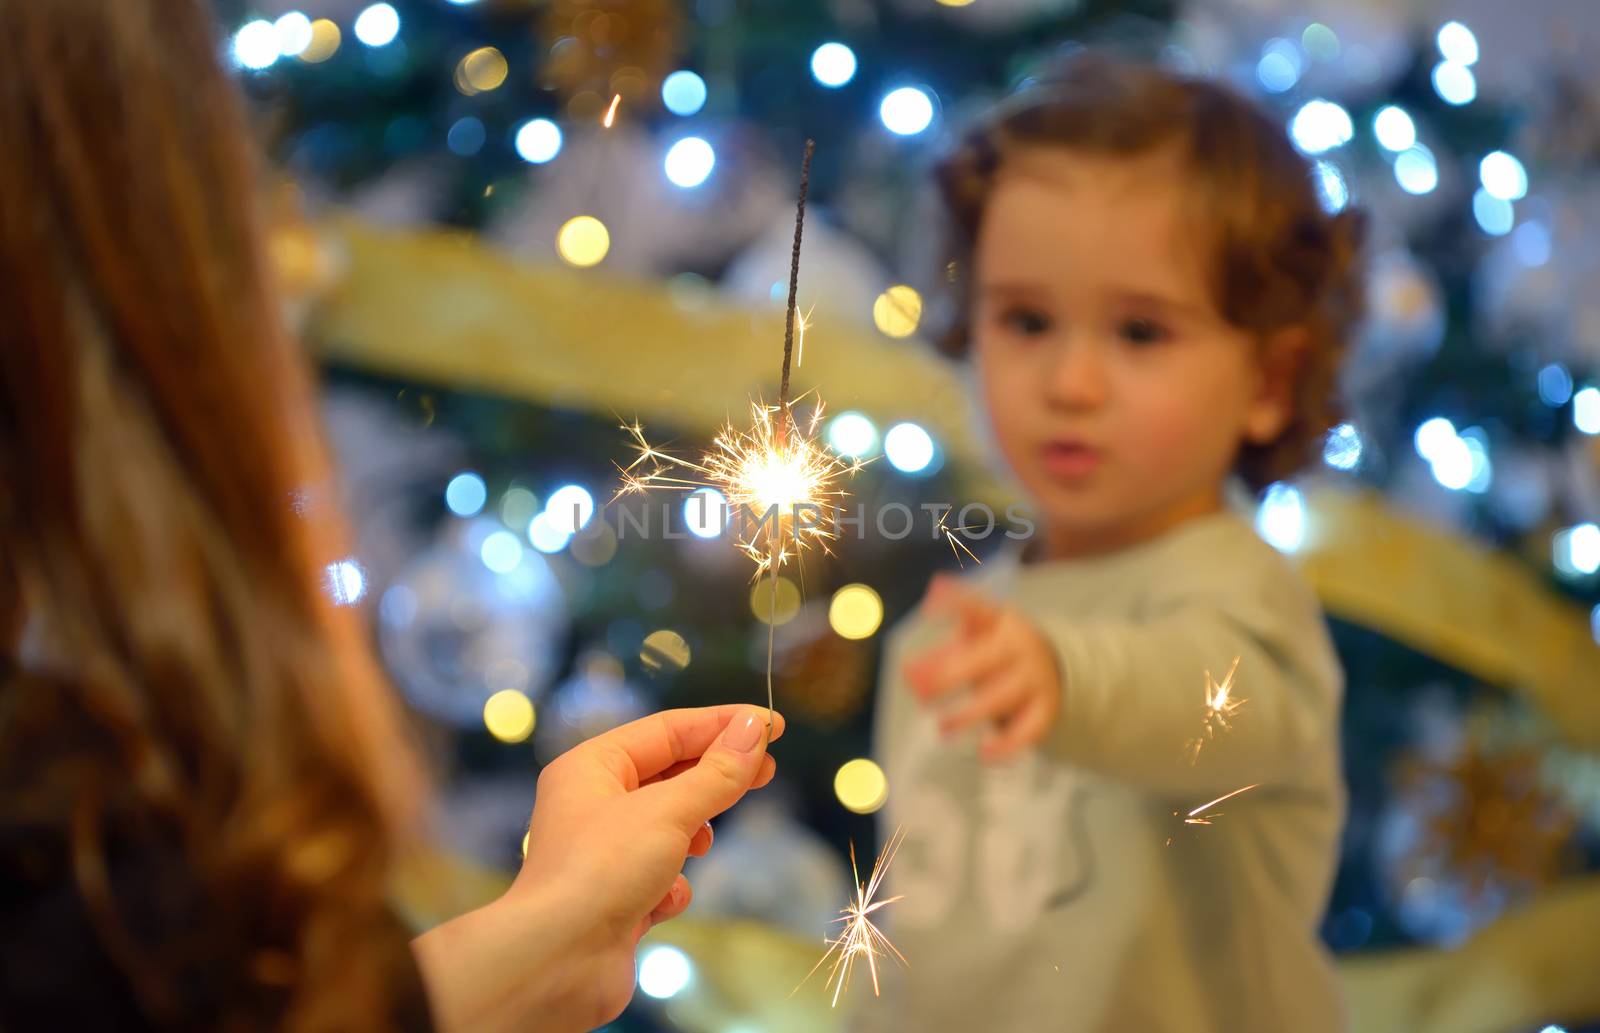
(1116, 391)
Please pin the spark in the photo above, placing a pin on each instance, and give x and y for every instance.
(1199, 815)
(860, 938)
(956, 543)
(802, 320)
(1220, 706)
(611, 112)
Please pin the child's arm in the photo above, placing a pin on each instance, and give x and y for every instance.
(1128, 698)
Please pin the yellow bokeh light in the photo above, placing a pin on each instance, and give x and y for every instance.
(856, 611)
(509, 716)
(583, 241)
(779, 611)
(325, 40)
(525, 837)
(482, 70)
(664, 649)
(594, 545)
(861, 786)
(955, 3)
(897, 311)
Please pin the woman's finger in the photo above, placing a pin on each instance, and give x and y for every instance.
(701, 843)
(642, 749)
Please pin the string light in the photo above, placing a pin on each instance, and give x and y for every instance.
(856, 612)
(906, 111)
(538, 140)
(775, 600)
(255, 46)
(908, 448)
(294, 34)
(1394, 128)
(897, 311)
(664, 972)
(1320, 126)
(509, 716)
(1416, 171)
(583, 241)
(689, 162)
(481, 71)
(325, 40)
(378, 25)
(683, 92)
(465, 494)
(852, 434)
(1454, 83)
(861, 786)
(833, 64)
(1281, 518)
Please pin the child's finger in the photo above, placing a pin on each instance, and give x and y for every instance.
(1027, 728)
(990, 701)
(949, 596)
(962, 661)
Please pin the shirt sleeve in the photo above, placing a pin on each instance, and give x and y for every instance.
(1135, 691)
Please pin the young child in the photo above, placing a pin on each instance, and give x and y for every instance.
(1154, 300)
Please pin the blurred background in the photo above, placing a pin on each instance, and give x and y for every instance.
(510, 227)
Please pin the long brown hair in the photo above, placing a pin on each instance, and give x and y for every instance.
(192, 699)
(1279, 260)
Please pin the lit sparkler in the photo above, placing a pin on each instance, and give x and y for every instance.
(1220, 706)
(1202, 815)
(611, 112)
(860, 938)
(774, 474)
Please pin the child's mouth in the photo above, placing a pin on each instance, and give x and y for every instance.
(1069, 459)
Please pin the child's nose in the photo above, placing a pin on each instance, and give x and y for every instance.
(1079, 377)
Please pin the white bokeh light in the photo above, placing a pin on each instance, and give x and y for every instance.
(906, 111)
(664, 971)
(1586, 410)
(705, 510)
(1280, 67)
(1332, 190)
(1416, 171)
(909, 448)
(689, 162)
(256, 45)
(1281, 518)
(1495, 217)
(544, 535)
(1503, 176)
(294, 33)
(378, 25)
(346, 582)
(570, 508)
(501, 552)
(1454, 83)
(833, 64)
(852, 434)
(683, 92)
(1530, 243)
(1457, 43)
(1394, 128)
(465, 494)
(1555, 385)
(538, 141)
(1342, 447)
(1320, 126)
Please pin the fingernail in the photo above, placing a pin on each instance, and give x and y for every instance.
(743, 734)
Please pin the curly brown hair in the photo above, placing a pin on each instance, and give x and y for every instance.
(1280, 260)
(203, 778)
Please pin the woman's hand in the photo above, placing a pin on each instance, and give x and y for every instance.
(1004, 661)
(613, 822)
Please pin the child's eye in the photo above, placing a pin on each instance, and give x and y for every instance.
(1143, 331)
(1029, 322)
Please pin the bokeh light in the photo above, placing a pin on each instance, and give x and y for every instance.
(510, 717)
(897, 311)
(861, 786)
(1586, 410)
(689, 162)
(1576, 550)
(378, 25)
(346, 582)
(908, 447)
(1394, 128)
(1454, 83)
(1320, 126)
(683, 92)
(465, 494)
(705, 510)
(501, 552)
(545, 536)
(775, 602)
(1530, 243)
(1503, 176)
(664, 971)
(856, 612)
(570, 507)
(325, 40)
(1416, 171)
(1555, 385)
(833, 64)
(481, 71)
(255, 45)
(1332, 190)
(294, 34)
(466, 137)
(538, 140)
(583, 241)
(1495, 216)
(1342, 447)
(852, 434)
(1457, 43)
(1281, 518)
(664, 650)
(906, 111)
(1280, 67)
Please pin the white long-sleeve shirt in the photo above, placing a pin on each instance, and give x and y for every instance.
(1044, 893)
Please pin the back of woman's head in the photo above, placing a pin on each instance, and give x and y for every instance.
(197, 743)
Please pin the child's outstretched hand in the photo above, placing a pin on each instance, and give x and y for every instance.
(1005, 660)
